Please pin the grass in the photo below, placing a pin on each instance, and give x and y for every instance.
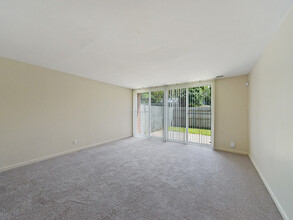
(205, 132)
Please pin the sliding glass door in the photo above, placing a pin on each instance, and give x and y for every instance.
(181, 113)
(199, 115)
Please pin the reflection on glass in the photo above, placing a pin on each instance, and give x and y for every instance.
(143, 112)
(157, 113)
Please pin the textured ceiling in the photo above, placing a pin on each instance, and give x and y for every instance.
(140, 43)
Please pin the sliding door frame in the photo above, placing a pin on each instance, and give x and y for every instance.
(166, 89)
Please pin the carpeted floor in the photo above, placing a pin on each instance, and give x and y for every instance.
(137, 178)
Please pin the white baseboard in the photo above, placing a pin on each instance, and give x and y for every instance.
(232, 151)
(276, 201)
(9, 167)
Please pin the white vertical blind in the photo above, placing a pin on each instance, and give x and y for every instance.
(177, 115)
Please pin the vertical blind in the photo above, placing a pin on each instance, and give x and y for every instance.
(177, 115)
(199, 115)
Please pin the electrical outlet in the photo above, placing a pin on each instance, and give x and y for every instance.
(232, 144)
(75, 141)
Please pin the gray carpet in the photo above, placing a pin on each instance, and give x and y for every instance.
(137, 178)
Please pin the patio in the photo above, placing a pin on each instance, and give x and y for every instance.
(176, 135)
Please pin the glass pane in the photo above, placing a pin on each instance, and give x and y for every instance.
(199, 112)
(143, 113)
(157, 113)
(177, 115)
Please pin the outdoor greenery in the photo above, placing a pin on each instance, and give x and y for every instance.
(144, 98)
(197, 96)
(205, 132)
(157, 97)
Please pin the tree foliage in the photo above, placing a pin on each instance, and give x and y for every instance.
(157, 97)
(197, 96)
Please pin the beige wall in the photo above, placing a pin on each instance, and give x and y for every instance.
(42, 111)
(231, 115)
(271, 116)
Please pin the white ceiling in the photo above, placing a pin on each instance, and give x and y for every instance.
(140, 43)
